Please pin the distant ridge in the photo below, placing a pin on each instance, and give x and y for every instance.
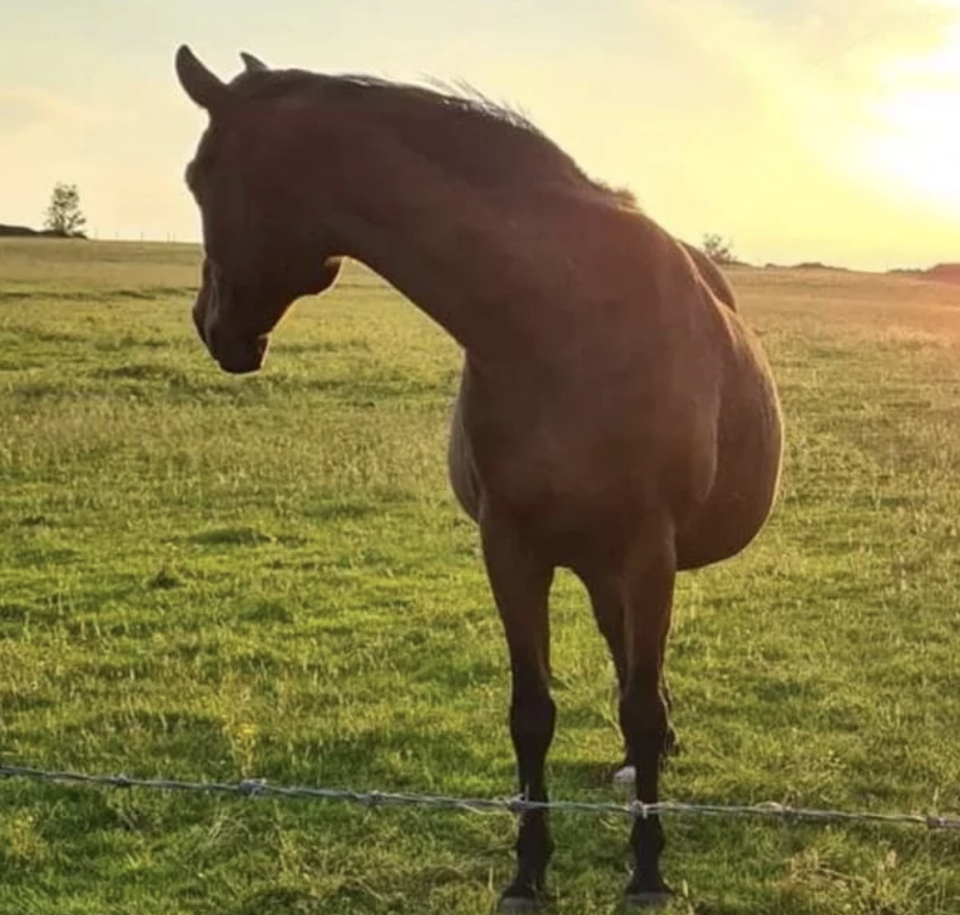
(806, 265)
(7, 231)
(942, 273)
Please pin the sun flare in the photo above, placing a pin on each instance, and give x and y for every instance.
(914, 146)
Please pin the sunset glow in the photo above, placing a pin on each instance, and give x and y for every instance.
(799, 129)
(916, 144)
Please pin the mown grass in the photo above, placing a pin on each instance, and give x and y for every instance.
(206, 577)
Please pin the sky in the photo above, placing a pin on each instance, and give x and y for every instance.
(800, 130)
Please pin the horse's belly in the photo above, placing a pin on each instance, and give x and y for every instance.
(576, 478)
(460, 465)
(749, 454)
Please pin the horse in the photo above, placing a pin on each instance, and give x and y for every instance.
(615, 416)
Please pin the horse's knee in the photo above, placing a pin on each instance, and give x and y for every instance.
(533, 716)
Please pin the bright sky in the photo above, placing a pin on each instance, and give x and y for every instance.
(801, 129)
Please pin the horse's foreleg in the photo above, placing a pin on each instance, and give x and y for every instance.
(520, 582)
(648, 582)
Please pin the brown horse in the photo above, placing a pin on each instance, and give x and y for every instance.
(615, 416)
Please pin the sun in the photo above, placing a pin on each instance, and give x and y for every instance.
(913, 145)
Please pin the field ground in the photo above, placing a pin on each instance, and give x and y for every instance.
(207, 577)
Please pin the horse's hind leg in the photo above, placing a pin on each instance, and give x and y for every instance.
(606, 598)
(521, 585)
(648, 582)
(607, 603)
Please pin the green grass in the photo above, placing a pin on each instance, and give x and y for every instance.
(206, 577)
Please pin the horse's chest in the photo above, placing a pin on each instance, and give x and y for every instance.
(557, 474)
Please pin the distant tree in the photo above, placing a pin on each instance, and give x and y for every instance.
(718, 249)
(64, 216)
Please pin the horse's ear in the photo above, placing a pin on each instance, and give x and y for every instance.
(253, 64)
(204, 87)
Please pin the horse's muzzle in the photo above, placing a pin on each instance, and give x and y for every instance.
(238, 357)
(234, 354)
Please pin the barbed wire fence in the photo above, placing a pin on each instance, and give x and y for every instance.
(260, 788)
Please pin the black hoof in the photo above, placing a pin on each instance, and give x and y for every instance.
(652, 900)
(520, 904)
(649, 893)
(525, 894)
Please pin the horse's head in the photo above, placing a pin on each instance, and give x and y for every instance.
(263, 248)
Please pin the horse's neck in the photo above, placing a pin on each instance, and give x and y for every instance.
(443, 246)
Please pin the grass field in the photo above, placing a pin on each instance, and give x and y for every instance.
(208, 577)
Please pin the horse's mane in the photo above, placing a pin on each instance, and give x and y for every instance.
(492, 145)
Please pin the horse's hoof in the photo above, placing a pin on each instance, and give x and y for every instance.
(653, 899)
(625, 775)
(520, 904)
(647, 890)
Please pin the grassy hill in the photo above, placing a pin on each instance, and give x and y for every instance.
(208, 577)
